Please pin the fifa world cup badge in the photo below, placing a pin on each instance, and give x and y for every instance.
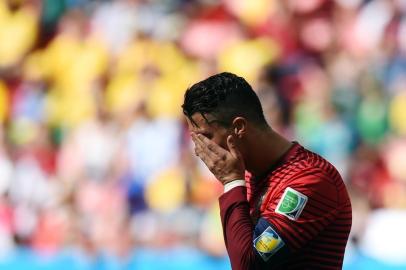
(268, 243)
(291, 204)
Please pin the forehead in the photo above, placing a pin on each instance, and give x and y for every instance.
(199, 123)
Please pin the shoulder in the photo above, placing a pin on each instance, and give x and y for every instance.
(311, 175)
(309, 167)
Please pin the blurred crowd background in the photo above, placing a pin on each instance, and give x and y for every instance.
(96, 167)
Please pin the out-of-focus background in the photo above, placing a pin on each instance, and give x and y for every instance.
(96, 167)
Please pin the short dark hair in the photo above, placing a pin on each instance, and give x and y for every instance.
(225, 96)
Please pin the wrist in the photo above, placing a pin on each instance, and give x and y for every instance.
(232, 177)
(234, 183)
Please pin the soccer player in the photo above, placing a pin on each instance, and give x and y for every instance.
(283, 207)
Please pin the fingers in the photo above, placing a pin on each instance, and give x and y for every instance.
(206, 143)
(225, 165)
(198, 144)
(203, 152)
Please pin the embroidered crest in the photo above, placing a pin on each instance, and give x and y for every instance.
(291, 204)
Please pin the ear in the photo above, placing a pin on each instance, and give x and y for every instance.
(239, 126)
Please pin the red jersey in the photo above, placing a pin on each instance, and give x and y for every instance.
(297, 217)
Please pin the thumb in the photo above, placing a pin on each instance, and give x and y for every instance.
(233, 147)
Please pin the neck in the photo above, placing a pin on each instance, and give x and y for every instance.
(265, 148)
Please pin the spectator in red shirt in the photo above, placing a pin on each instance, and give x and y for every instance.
(283, 207)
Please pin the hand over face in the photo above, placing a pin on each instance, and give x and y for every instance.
(225, 165)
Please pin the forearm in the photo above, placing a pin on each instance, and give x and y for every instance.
(238, 229)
